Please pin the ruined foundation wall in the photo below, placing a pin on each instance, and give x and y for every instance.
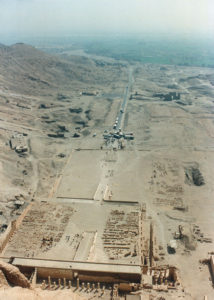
(108, 277)
(88, 276)
(43, 273)
(54, 273)
(7, 235)
(12, 227)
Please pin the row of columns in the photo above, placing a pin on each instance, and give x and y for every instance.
(63, 283)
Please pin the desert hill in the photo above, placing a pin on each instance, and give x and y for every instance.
(42, 109)
(25, 69)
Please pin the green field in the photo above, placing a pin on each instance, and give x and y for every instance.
(146, 49)
(158, 51)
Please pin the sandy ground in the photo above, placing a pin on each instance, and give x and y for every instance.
(173, 142)
(37, 294)
(81, 176)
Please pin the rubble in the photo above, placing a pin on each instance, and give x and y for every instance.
(121, 234)
(194, 176)
(76, 110)
(89, 93)
(56, 135)
(76, 135)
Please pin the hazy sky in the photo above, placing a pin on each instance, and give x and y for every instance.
(42, 17)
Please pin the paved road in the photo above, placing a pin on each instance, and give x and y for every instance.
(121, 113)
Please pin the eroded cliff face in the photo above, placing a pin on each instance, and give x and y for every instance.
(13, 276)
